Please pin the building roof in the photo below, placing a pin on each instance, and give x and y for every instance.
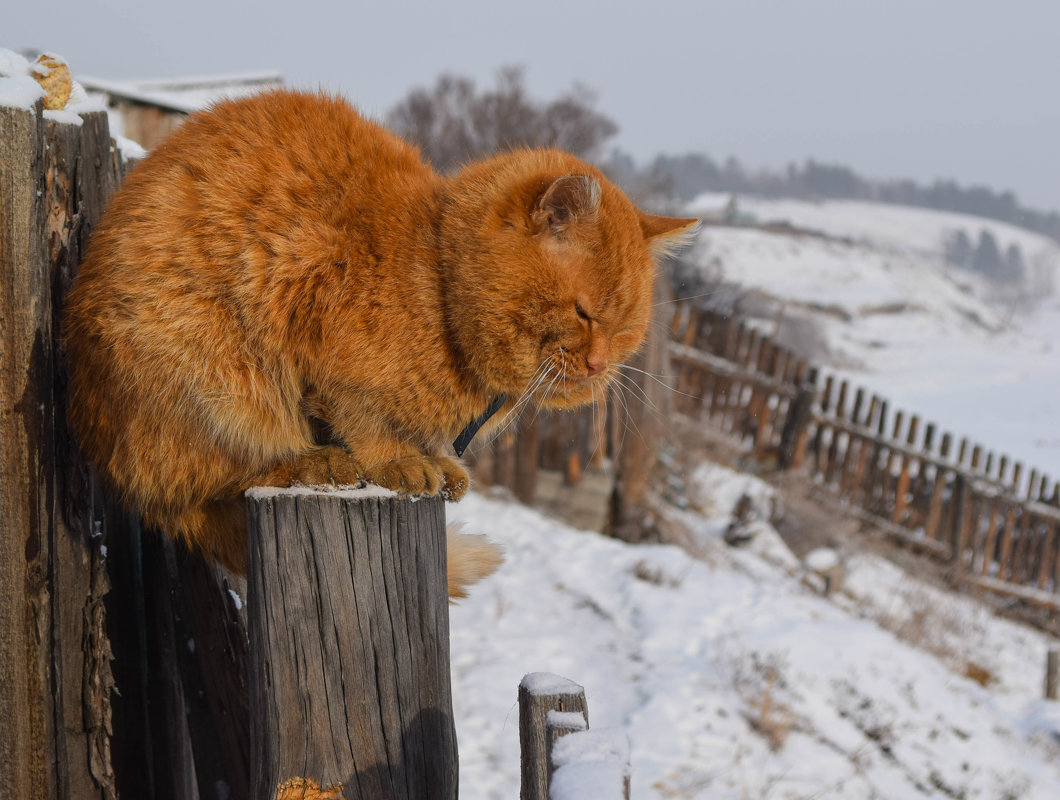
(184, 94)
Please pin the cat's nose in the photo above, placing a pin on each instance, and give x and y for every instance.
(595, 366)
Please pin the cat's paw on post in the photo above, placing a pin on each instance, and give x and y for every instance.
(456, 480)
(316, 466)
(424, 475)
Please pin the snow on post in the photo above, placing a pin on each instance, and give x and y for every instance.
(591, 764)
(348, 619)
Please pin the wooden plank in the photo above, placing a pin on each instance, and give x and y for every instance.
(855, 444)
(349, 645)
(901, 491)
(1005, 554)
(25, 677)
(1023, 546)
(1041, 559)
(824, 425)
(729, 370)
(1026, 594)
(800, 414)
(834, 449)
(990, 542)
(1050, 555)
(866, 447)
(942, 476)
(961, 519)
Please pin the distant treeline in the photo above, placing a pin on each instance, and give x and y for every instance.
(455, 121)
(688, 175)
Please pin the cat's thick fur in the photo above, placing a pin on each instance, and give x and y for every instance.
(282, 266)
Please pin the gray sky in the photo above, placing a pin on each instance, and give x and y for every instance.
(894, 88)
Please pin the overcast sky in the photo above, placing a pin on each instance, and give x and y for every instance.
(966, 89)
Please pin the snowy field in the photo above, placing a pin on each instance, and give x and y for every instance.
(896, 319)
(732, 679)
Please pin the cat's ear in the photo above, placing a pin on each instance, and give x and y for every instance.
(569, 198)
(666, 235)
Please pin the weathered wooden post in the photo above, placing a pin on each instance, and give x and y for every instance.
(55, 655)
(542, 693)
(1052, 674)
(348, 619)
(644, 411)
(559, 756)
(800, 415)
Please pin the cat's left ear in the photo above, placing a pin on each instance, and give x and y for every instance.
(666, 235)
(569, 198)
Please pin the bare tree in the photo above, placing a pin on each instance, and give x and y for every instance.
(453, 122)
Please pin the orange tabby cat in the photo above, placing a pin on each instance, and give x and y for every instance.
(284, 292)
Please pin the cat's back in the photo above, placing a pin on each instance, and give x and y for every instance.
(261, 165)
(245, 193)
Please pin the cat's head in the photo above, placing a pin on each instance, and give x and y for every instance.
(549, 274)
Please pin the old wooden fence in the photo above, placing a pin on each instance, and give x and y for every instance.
(126, 669)
(997, 522)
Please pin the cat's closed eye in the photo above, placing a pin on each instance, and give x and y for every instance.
(581, 312)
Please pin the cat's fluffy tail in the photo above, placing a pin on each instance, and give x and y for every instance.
(471, 558)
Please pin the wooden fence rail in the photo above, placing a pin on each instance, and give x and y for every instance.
(998, 526)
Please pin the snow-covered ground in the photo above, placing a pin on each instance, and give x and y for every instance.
(733, 679)
(895, 318)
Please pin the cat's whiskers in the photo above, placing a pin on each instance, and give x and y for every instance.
(626, 417)
(659, 379)
(536, 380)
(630, 386)
(689, 297)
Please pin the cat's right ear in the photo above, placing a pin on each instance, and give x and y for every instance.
(570, 198)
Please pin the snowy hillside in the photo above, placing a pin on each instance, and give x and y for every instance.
(732, 679)
(875, 299)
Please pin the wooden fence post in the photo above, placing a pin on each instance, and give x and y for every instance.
(1052, 674)
(55, 655)
(26, 315)
(539, 694)
(800, 415)
(349, 644)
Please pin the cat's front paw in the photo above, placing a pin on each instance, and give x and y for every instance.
(426, 475)
(455, 479)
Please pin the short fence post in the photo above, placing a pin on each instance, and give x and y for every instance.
(1052, 674)
(539, 694)
(799, 417)
(349, 645)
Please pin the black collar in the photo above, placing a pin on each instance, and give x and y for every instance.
(464, 439)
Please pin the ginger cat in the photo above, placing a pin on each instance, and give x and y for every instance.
(284, 292)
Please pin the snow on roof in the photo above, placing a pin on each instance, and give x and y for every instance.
(185, 94)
